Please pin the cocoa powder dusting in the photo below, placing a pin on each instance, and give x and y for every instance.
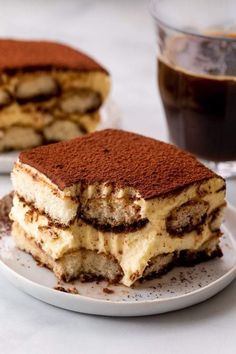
(121, 159)
(108, 291)
(69, 290)
(28, 55)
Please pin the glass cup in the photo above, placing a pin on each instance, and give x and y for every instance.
(197, 77)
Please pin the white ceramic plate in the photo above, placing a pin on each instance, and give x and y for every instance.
(110, 118)
(180, 288)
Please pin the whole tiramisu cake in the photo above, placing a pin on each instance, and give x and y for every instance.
(115, 205)
(48, 92)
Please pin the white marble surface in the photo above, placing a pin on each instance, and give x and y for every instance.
(120, 34)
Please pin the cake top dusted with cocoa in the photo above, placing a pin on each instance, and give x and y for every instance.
(120, 158)
(31, 55)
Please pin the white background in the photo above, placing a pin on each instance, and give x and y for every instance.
(120, 35)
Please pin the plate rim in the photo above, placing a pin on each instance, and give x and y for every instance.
(115, 302)
(108, 302)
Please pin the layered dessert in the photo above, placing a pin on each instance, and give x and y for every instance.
(115, 205)
(48, 92)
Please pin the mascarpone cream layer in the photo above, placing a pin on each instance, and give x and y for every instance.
(29, 115)
(132, 250)
(62, 206)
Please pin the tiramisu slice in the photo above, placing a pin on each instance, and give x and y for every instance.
(115, 205)
(48, 92)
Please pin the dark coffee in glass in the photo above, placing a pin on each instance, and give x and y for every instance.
(199, 96)
(196, 74)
